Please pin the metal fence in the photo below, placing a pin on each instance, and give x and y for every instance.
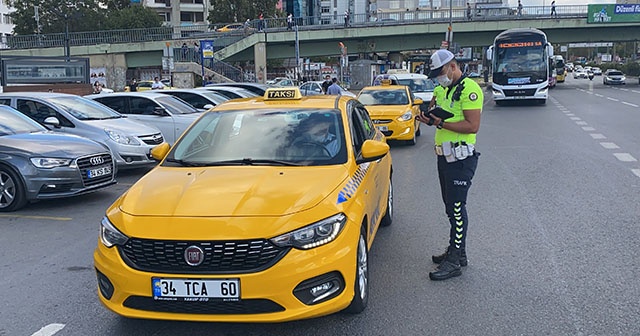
(223, 39)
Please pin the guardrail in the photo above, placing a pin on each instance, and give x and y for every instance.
(222, 39)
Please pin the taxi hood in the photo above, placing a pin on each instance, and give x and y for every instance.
(231, 191)
(386, 110)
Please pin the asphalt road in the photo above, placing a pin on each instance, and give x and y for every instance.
(552, 238)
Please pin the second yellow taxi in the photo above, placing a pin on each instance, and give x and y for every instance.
(263, 211)
(393, 109)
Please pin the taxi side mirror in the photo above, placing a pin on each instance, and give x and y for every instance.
(418, 101)
(373, 150)
(160, 151)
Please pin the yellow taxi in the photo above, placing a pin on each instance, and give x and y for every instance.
(145, 85)
(263, 211)
(393, 109)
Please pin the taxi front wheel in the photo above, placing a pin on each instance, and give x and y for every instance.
(388, 215)
(361, 290)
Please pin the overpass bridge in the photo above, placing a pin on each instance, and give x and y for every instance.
(420, 30)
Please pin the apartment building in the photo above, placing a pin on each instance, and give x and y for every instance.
(181, 12)
(6, 24)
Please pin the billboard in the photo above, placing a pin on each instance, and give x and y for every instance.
(613, 13)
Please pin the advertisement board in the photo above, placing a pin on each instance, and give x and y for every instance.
(613, 13)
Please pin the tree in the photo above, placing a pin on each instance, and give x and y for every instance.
(133, 17)
(240, 10)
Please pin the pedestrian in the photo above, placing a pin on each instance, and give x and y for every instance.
(519, 8)
(468, 11)
(346, 18)
(438, 94)
(157, 84)
(185, 51)
(246, 27)
(325, 85)
(334, 88)
(553, 8)
(133, 87)
(261, 22)
(196, 51)
(457, 157)
(289, 21)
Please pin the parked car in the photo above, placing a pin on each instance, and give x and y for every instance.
(129, 141)
(271, 204)
(315, 88)
(39, 164)
(229, 91)
(170, 114)
(200, 99)
(256, 88)
(613, 76)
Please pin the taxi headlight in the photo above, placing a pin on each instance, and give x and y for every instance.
(50, 162)
(109, 235)
(314, 235)
(406, 116)
(122, 138)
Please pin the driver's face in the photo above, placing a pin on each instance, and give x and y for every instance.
(319, 131)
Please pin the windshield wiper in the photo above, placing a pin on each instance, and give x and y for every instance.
(251, 162)
(185, 163)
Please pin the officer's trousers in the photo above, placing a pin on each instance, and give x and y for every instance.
(455, 181)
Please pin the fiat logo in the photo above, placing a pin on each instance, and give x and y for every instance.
(193, 255)
(96, 160)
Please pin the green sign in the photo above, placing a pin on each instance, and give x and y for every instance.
(613, 13)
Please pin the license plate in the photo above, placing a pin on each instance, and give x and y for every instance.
(195, 289)
(92, 173)
(383, 128)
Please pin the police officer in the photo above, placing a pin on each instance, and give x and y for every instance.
(455, 140)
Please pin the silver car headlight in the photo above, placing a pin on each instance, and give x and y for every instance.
(314, 235)
(50, 162)
(122, 138)
(109, 235)
(406, 116)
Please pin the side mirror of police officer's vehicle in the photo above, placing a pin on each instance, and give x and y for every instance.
(208, 106)
(373, 150)
(418, 101)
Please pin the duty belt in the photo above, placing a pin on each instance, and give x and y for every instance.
(454, 151)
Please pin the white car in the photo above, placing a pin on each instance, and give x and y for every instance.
(315, 88)
(170, 114)
(580, 74)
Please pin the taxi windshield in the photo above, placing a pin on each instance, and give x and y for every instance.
(384, 97)
(276, 136)
(418, 84)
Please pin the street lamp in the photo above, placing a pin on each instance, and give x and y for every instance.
(450, 28)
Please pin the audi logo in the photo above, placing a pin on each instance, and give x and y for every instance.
(96, 160)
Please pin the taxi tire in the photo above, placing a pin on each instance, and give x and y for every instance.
(10, 180)
(387, 219)
(412, 141)
(361, 285)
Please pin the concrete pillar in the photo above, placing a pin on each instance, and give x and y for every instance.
(260, 56)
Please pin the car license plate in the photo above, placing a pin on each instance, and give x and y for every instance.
(195, 289)
(383, 128)
(93, 173)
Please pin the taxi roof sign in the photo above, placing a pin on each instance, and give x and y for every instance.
(282, 93)
(385, 81)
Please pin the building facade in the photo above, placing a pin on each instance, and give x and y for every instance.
(181, 12)
(6, 24)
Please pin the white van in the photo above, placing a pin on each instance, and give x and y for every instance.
(420, 85)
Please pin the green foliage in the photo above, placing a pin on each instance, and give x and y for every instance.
(81, 15)
(133, 17)
(240, 10)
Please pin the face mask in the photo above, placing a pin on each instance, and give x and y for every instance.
(444, 80)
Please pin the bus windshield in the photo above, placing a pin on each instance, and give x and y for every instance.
(520, 63)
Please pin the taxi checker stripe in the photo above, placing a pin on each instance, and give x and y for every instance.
(352, 185)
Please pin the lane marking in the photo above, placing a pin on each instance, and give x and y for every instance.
(636, 91)
(575, 118)
(588, 129)
(599, 95)
(581, 123)
(613, 99)
(597, 136)
(625, 157)
(630, 104)
(49, 330)
(636, 172)
(624, 89)
(570, 115)
(38, 217)
(609, 145)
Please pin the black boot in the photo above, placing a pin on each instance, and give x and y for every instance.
(439, 258)
(448, 268)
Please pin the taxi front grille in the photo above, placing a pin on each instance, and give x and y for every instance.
(239, 256)
(382, 121)
(85, 164)
(249, 306)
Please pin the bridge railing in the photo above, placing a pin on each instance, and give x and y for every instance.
(222, 39)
